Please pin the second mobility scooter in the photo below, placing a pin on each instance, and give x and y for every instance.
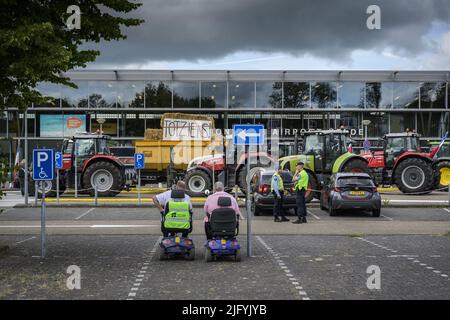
(222, 231)
(176, 224)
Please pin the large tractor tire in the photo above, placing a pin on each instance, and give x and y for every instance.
(106, 175)
(313, 184)
(242, 175)
(414, 175)
(49, 187)
(197, 182)
(443, 169)
(356, 165)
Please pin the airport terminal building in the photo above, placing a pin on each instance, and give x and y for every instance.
(290, 101)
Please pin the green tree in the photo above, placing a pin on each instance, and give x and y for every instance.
(37, 46)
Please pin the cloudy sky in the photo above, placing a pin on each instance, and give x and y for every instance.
(283, 34)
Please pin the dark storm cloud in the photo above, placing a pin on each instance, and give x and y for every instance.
(202, 29)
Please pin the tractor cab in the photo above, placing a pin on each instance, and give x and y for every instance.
(326, 146)
(87, 146)
(396, 144)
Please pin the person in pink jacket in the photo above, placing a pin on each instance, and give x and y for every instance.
(211, 204)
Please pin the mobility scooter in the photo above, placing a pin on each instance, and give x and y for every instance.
(223, 230)
(176, 224)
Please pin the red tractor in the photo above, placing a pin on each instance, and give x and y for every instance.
(402, 163)
(200, 171)
(94, 166)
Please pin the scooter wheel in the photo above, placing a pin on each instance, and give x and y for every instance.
(162, 254)
(208, 255)
(191, 254)
(237, 256)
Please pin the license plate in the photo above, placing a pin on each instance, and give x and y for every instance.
(357, 193)
(177, 240)
(223, 241)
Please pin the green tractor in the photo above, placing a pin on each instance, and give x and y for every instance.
(443, 164)
(325, 152)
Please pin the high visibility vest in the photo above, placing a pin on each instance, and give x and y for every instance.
(302, 182)
(177, 216)
(280, 183)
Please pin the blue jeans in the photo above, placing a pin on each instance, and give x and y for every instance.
(301, 203)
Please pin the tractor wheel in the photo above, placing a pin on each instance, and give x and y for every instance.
(443, 169)
(197, 182)
(414, 175)
(312, 185)
(49, 187)
(356, 165)
(106, 176)
(242, 175)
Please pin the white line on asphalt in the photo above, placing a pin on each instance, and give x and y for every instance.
(84, 226)
(309, 211)
(87, 212)
(294, 280)
(389, 218)
(19, 242)
(139, 278)
(408, 257)
(448, 210)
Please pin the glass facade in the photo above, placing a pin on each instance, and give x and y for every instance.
(291, 104)
(323, 95)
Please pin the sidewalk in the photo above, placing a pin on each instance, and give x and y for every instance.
(389, 199)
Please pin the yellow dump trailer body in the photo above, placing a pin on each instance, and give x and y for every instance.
(157, 152)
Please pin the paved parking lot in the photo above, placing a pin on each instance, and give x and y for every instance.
(115, 250)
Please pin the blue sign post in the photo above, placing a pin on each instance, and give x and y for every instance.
(139, 163)
(248, 135)
(43, 170)
(58, 166)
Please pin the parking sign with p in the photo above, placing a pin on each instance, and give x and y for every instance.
(139, 160)
(43, 164)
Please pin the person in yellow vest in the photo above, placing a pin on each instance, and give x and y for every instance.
(277, 189)
(300, 186)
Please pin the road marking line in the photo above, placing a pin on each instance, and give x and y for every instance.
(19, 242)
(308, 211)
(139, 278)
(83, 226)
(448, 210)
(389, 218)
(282, 266)
(87, 212)
(408, 257)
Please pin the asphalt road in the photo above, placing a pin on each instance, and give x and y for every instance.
(115, 251)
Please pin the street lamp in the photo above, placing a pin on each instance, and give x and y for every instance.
(366, 123)
(101, 121)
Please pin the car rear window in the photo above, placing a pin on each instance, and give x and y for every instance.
(355, 181)
(287, 178)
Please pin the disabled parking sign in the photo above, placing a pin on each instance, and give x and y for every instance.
(43, 164)
(58, 160)
(139, 160)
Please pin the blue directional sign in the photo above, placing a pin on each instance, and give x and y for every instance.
(58, 160)
(139, 161)
(43, 164)
(248, 134)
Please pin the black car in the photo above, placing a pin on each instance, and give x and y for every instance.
(350, 191)
(262, 197)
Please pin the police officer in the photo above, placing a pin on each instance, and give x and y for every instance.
(277, 189)
(300, 186)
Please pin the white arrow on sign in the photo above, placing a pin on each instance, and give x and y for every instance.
(243, 134)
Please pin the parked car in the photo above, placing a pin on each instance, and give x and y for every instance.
(349, 191)
(262, 199)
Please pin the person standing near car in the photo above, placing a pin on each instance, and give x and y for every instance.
(300, 180)
(277, 189)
